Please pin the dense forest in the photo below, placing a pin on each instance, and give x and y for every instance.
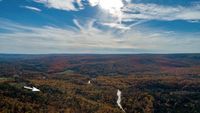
(148, 83)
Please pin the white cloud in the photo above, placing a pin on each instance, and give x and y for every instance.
(128, 1)
(124, 11)
(47, 39)
(116, 26)
(93, 2)
(134, 12)
(77, 24)
(32, 8)
(139, 13)
(62, 4)
(112, 7)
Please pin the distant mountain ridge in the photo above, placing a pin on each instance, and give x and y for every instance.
(100, 64)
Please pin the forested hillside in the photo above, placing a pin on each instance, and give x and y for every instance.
(89, 83)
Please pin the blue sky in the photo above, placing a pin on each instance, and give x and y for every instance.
(99, 26)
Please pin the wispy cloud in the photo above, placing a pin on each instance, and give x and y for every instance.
(138, 13)
(32, 8)
(131, 11)
(90, 39)
(117, 26)
(68, 5)
(134, 12)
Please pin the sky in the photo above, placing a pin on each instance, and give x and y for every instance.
(99, 26)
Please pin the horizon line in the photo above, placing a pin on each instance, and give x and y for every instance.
(152, 53)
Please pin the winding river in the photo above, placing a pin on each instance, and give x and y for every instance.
(119, 100)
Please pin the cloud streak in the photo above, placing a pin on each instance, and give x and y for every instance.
(127, 11)
(68, 5)
(89, 39)
(32, 8)
(134, 12)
